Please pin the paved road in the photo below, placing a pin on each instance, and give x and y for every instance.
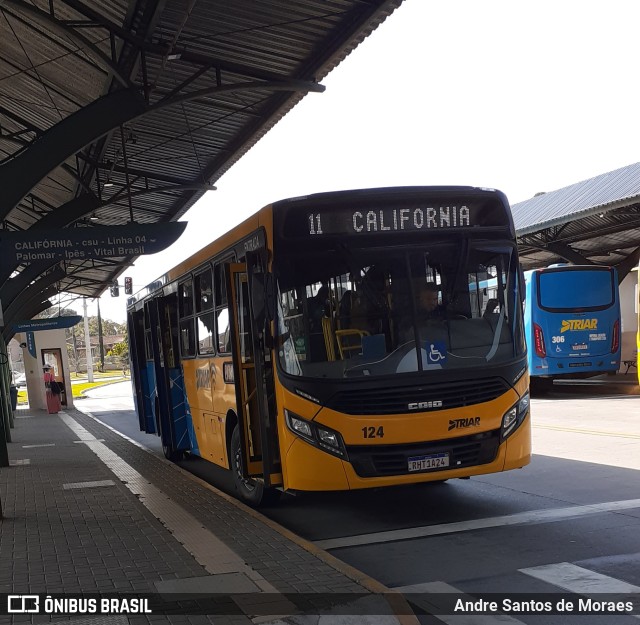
(569, 521)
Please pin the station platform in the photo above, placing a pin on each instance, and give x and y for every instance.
(90, 513)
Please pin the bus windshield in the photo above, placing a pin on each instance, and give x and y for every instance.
(568, 290)
(351, 312)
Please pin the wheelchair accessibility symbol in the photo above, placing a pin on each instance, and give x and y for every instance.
(436, 353)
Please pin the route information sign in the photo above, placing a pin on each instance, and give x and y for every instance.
(70, 244)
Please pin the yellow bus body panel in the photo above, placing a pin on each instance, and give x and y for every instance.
(308, 468)
(209, 405)
(311, 469)
(418, 426)
(519, 446)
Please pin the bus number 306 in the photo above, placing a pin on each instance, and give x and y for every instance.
(373, 432)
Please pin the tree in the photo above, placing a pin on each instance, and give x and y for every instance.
(121, 352)
(120, 349)
(109, 328)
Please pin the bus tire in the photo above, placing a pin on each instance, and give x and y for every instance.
(541, 385)
(252, 492)
(170, 453)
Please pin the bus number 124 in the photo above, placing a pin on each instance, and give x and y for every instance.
(373, 432)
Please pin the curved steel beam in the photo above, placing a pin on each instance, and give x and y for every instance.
(559, 249)
(29, 313)
(52, 23)
(43, 287)
(12, 287)
(626, 265)
(21, 174)
(20, 311)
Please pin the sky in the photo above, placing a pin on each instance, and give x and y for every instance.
(519, 96)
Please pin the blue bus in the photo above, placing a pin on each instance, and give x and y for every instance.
(572, 321)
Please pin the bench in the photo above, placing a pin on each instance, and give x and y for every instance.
(628, 364)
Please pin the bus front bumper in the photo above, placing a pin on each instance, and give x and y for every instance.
(317, 470)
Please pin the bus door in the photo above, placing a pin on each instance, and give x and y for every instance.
(135, 327)
(172, 428)
(173, 395)
(253, 370)
(142, 368)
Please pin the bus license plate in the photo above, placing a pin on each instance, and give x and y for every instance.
(424, 463)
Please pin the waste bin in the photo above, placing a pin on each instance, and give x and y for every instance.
(13, 392)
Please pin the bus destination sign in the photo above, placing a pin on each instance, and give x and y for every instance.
(388, 220)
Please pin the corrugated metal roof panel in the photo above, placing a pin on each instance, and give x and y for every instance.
(190, 142)
(603, 193)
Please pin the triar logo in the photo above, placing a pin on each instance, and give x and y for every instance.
(568, 325)
(464, 423)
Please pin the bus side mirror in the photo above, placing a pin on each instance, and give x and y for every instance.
(270, 296)
(263, 296)
(257, 297)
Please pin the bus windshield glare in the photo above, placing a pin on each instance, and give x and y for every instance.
(361, 311)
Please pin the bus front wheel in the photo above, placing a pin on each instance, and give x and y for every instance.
(252, 492)
(171, 454)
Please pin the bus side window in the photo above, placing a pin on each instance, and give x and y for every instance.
(203, 287)
(185, 308)
(223, 331)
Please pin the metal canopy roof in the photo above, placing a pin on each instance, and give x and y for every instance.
(129, 110)
(594, 221)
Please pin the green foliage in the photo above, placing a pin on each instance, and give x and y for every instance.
(120, 349)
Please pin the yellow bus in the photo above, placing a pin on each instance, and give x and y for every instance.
(296, 350)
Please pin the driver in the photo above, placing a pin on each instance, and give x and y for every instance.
(427, 302)
(428, 310)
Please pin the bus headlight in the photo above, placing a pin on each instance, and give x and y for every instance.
(299, 426)
(318, 435)
(514, 416)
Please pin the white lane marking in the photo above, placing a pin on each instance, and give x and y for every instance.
(442, 588)
(520, 518)
(41, 445)
(206, 548)
(579, 580)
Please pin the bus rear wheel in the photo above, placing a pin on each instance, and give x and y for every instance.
(252, 492)
(541, 385)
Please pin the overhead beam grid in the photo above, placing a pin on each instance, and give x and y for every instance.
(130, 110)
